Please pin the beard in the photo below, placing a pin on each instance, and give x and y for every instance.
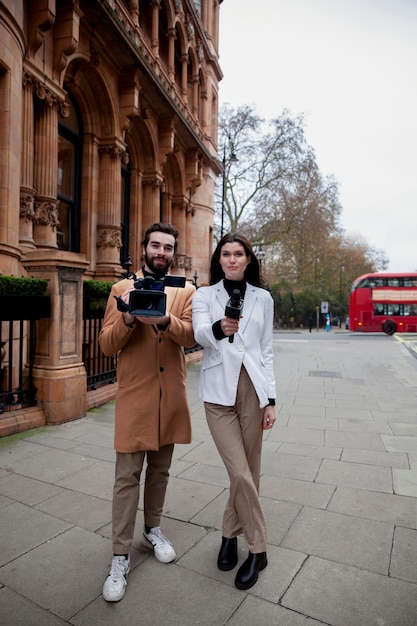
(159, 269)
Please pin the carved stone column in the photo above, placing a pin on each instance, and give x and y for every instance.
(136, 217)
(134, 11)
(109, 239)
(179, 206)
(155, 26)
(166, 207)
(195, 96)
(45, 170)
(184, 76)
(171, 54)
(151, 210)
(204, 98)
(27, 192)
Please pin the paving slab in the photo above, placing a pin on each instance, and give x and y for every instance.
(341, 595)
(383, 507)
(357, 475)
(338, 489)
(342, 538)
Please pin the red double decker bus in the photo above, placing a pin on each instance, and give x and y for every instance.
(384, 302)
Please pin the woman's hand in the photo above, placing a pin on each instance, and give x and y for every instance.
(229, 326)
(268, 418)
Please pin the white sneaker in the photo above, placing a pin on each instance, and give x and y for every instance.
(162, 547)
(115, 584)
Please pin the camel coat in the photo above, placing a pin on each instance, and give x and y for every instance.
(151, 401)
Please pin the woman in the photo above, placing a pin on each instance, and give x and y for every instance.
(237, 386)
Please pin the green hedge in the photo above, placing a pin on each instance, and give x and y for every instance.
(16, 285)
(96, 288)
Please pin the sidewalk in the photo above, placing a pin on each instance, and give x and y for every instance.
(339, 490)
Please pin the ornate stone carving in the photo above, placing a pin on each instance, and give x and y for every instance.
(46, 212)
(153, 180)
(109, 237)
(64, 109)
(190, 30)
(116, 152)
(27, 211)
(182, 261)
(45, 94)
(200, 52)
(27, 79)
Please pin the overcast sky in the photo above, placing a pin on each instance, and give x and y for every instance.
(351, 67)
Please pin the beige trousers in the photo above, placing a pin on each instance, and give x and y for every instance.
(126, 493)
(237, 433)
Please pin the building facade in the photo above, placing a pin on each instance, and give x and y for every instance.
(108, 116)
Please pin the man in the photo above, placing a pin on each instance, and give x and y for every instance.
(152, 411)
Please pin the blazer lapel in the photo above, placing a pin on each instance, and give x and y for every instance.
(222, 296)
(248, 304)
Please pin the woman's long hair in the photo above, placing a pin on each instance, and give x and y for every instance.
(252, 272)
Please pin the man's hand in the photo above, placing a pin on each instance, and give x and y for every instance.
(157, 321)
(128, 319)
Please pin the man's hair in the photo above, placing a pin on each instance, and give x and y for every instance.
(252, 271)
(160, 227)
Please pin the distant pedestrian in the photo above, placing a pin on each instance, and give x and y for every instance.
(310, 322)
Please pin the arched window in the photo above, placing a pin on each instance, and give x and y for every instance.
(69, 179)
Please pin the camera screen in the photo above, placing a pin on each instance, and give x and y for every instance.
(147, 303)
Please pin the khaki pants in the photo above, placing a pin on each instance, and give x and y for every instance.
(237, 433)
(126, 493)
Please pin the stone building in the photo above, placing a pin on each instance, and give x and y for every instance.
(108, 116)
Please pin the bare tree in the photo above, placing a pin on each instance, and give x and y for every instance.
(273, 191)
(265, 152)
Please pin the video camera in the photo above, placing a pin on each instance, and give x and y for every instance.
(148, 298)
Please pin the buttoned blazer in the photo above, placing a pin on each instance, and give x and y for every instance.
(252, 345)
(151, 400)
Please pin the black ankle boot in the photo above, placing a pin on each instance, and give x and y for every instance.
(227, 558)
(247, 574)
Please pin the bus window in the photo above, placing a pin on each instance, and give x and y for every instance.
(393, 282)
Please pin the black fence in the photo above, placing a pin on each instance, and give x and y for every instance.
(18, 320)
(101, 369)
(18, 324)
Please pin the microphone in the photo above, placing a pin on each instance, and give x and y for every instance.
(234, 308)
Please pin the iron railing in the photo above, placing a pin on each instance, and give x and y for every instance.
(16, 373)
(101, 369)
(18, 349)
(18, 320)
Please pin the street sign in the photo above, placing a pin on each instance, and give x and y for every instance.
(324, 307)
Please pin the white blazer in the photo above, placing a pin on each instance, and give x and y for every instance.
(252, 345)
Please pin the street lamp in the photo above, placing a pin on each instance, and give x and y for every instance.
(260, 254)
(342, 269)
(341, 304)
(232, 159)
